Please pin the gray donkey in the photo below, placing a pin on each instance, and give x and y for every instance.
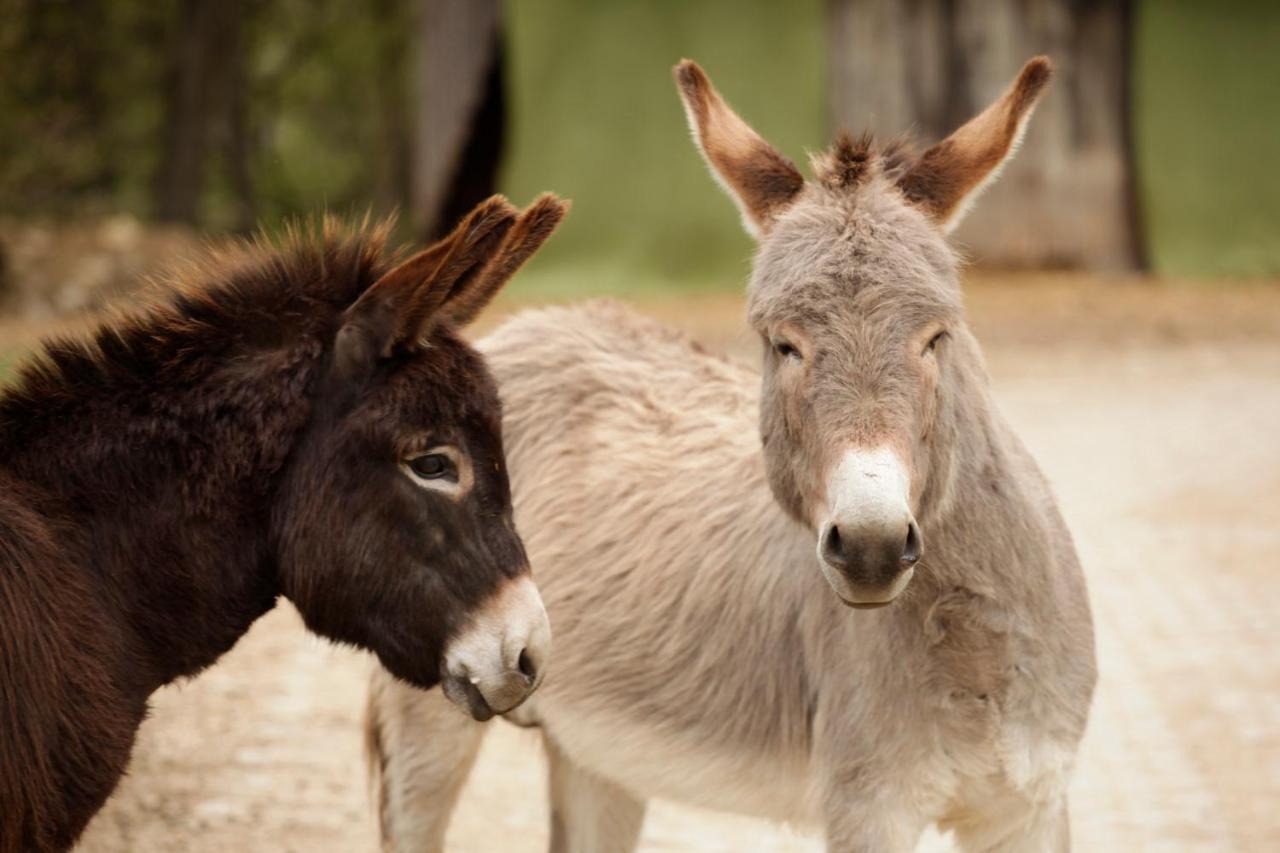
(699, 655)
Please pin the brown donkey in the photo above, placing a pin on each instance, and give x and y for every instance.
(301, 421)
(699, 655)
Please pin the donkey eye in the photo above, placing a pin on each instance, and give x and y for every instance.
(444, 469)
(786, 350)
(934, 341)
(434, 466)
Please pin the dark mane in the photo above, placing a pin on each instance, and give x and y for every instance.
(249, 296)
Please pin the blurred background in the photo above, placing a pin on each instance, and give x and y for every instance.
(132, 124)
(1125, 280)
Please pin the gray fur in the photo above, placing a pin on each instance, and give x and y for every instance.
(699, 654)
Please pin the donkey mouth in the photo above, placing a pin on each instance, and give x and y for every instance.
(867, 605)
(464, 693)
(870, 596)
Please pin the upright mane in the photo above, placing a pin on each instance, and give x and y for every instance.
(247, 296)
(851, 160)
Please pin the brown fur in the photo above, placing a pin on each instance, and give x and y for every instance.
(164, 480)
(529, 233)
(700, 655)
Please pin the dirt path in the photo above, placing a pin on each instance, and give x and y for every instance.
(1161, 431)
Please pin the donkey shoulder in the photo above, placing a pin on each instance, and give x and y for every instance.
(603, 348)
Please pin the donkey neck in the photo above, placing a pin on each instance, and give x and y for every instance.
(984, 521)
(163, 467)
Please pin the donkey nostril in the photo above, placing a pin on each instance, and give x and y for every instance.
(833, 548)
(525, 664)
(914, 547)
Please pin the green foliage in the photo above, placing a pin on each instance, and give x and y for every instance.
(328, 76)
(79, 101)
(83, 97)
(596, 118)
(8, 364)
(1208, 135)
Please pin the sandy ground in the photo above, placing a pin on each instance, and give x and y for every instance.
(1155, 411)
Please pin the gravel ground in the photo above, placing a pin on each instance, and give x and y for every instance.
(1155, 412)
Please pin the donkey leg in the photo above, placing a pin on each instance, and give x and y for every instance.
(420, 751)
(869, 808)
(873, 826)
(589, 814)
(1027, 828)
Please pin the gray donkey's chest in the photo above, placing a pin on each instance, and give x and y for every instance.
(981, 688)
(930, 685)
(959, 715)
(969, 649)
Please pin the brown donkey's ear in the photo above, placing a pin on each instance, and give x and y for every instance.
(951, 174)
(475, 290)
(399, 307)
(760, 179)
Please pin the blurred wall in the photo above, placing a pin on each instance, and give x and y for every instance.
(596, 118)
(1207, 98)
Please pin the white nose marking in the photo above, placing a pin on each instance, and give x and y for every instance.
(868, 501)
(508, 629)
(869, 484)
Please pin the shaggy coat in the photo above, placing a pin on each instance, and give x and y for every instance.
(671, 500)
(165, 480)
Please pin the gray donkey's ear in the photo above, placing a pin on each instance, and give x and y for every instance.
(950, 175)
(756, 175)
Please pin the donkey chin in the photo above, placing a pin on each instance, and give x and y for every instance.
(869, 542)
(497, 660)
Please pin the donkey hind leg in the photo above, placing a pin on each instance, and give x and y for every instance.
(1031, 828)
(420, 751)
(589, 814)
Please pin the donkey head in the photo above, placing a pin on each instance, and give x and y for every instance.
(395, 522)
(855, 296)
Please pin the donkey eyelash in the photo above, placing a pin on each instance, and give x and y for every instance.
(934, 341)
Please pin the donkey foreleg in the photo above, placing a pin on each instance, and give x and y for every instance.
(420, 750)
(1032, 828)
(589, 814)
(873, 831)
(866, 810)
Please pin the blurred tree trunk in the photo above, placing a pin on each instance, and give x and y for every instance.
(395, 112)
(206, 68)
(460, 116)
(1067, 198)
(239, 132)
(54, 65)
